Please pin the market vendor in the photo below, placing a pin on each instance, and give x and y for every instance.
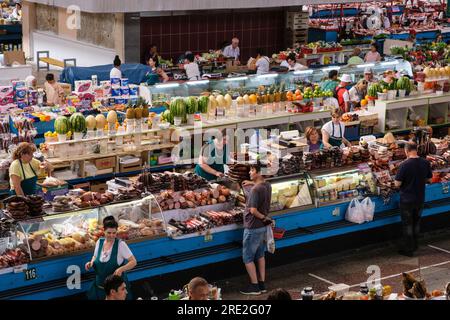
(373, 55)
(331, 82)
(24, 170)
(191, 67)
(357, 93)
(313, 139)
(54, 93)
(262, 64)
(292, 64)
(109, 258)
(152, 54)
(389, 76)
(17, 12)
(115, 71)
(213, 157)
(156, 74)
(232, 50)
(355, 57)
(333, 131)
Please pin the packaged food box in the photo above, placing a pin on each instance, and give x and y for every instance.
(22, 103)
(18, 84)
(124, 82)
(83, 86)
(6, 91)
(134, 90)
(115, 81)
(115, 91)
(21, 93)
(125, 91)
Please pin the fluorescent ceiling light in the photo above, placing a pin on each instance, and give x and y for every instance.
(268, 75)
(366, 65)
(389, 63)
(303, 72)
(237, 79)
(331, 68)
(167, 85)
(194, 83)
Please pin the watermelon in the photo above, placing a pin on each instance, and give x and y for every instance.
(62, 125)
(404, 84)
(203, 104)
(191, 105)
(178, 108)
(374, 89)
(167, 116)
(77, 122)
(90, 122)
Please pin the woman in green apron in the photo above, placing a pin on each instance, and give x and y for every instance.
(109, 258)
(24, 170)
(333, 131)
(213, 157)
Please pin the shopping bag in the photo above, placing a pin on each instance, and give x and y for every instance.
(270, 241)
(354, 212)
(369, 209)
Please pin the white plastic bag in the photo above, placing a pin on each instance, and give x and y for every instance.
(369, 209)
(354, 212)
(270, 241)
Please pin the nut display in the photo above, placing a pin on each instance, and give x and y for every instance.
(35, 204)
(17, 207)
(155, 182)
(62, 204)
(93, 199)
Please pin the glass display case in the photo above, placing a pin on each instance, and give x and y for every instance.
(244, 83)
(77, 231)
(342, 184)
(14, 250)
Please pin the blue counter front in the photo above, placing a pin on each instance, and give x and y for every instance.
(54, 276)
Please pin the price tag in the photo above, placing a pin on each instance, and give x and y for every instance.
(30, 274)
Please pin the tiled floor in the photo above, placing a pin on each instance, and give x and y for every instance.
(431, 263)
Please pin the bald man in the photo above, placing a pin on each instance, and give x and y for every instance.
(233, 49)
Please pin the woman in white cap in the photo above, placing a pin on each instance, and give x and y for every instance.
(341, 93)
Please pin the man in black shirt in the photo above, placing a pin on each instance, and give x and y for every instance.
(411, 177)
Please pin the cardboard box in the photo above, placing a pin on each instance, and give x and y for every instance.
(99, 187)
(105, 163)
(11, 57)
(84, 185)
(124, 169)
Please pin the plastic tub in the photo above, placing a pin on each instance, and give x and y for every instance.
(382, 96)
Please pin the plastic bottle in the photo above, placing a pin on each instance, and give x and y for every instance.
(307, 293)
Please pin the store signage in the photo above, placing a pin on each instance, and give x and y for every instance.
(30, 274)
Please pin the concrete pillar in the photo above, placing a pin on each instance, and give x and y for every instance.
(28, 26)
(119, 35)
(132, 35)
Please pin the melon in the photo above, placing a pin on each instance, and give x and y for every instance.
(221, 101)
(442, 72)
(62, 125)
(246, 99)
(100, 121)
(447, 70)
(240, 101)
(90, 122)
(212, 102)
(426, 71)
(112, 117)
(228, 100)
(77, 122)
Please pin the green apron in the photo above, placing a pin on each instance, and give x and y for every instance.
(215, 165)
(28, 185)
(335, 141)
(103, 270)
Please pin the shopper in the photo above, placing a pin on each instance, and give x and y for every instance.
(313, 139)
(341, 93)
(17, 12)
(156, 74)
(292, 64)
(279, 294)
(115, 71)
(262, 64)
(255, 221)
(411, 177)
(232, 50)
(54, 93)
(191, 67)
(213, 157)
(24, 170)
(373, 55)
(115, 288)
(331, 82)
(368, 76)
(357, 93)
(333, 131)
(109, 258)
(198, 289)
